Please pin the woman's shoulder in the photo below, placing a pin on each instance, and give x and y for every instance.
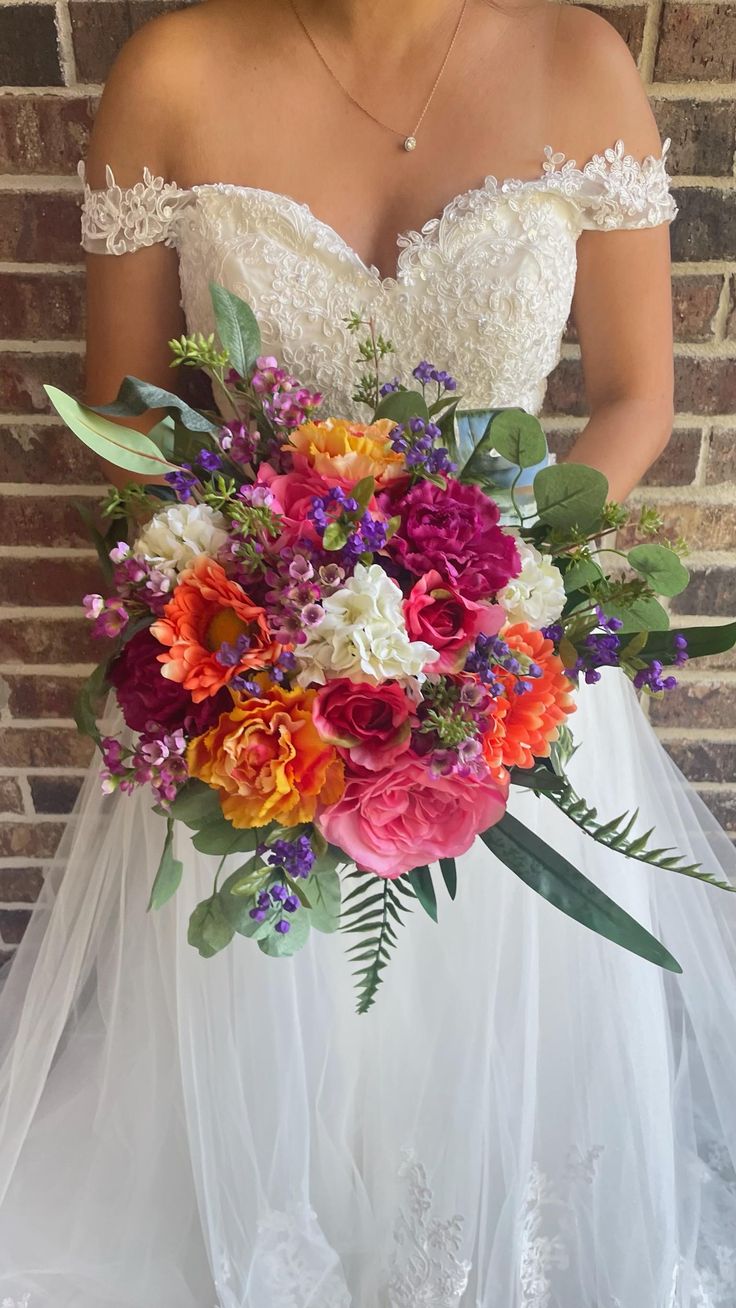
(600, 97)
(169, 73)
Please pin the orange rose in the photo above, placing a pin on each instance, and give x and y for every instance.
(206, 611)
(348, 451)
(268, 760)
(525, 725)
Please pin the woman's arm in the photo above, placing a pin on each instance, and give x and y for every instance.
(133, 299)
(622, 306)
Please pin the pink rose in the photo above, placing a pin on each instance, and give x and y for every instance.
(437, 613)
(294, 492)
(402, 817)
(372, 722)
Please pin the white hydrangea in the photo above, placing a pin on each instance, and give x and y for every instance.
(537, 595)
(178, 534)
(362, 635)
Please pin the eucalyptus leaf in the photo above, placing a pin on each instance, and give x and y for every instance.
(324, 891)
(122, 446)
(518, 436)
(236, 907)
(420, 880)
(402, 405)
(209, 930)
(545, 870)
(196, 804)
(88, 700)
(237, 328)
(136, 397)
(662, 568)
(277, 945)
(642, 614)
(218, 836)
(581, 573)
(169, 874)
(570, 496)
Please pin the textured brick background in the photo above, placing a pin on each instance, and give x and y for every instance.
(53, 57)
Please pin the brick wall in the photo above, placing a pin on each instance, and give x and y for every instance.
(53, 57)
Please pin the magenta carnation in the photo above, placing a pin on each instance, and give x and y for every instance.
(145, 695)
(454, 530)
(403, 817)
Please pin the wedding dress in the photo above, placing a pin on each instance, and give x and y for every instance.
(529, 1117)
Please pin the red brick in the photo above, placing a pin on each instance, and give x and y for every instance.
(704, 760)
(29, 839)
(676, 466)
(703, 704)
(721, 465)
(44, 133)
(48, 580)
(705, 385)
(44, 747)
(28, 49)
(11, 800)
(705, 226)
(45, 640)
(47, 696)
(35, 307)
(702, 134)
(703, 526)
(22, 378)
(41, 520)
(20, 885)
(722, 804)
(711, 590)
(40, 226)
(13, 923)
(697, 41)
(731, 320)
(628, 20)
(694, 304)
(54, 794)
(100, 31)
(51, 455)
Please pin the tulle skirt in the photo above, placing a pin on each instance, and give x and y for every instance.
(529, 1117)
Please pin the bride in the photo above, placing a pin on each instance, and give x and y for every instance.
(529, 1117)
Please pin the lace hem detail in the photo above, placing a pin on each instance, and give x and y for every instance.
(426, 1271)
(612, 190)
(120, 220)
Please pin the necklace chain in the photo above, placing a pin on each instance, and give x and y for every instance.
(410, 140)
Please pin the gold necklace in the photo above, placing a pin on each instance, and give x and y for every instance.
(409, 142)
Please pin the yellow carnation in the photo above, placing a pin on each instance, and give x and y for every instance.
(349, 451)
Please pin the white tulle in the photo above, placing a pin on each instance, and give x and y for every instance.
(529, 1117)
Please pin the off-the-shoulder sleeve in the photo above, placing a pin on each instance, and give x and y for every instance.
(615, 190)
(120, 220)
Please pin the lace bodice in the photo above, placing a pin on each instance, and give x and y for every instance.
(484, 289)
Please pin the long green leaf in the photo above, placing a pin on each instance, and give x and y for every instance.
(170, 869)
(88, 701)
(122, 446)
(448, 868)
(420, 880)
(237, 328)
(136, 397)
(701, 641)
(562, 885)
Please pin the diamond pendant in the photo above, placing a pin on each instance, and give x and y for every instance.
(410, 143)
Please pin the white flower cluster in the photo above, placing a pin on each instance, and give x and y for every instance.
(362, 635)
(537, 595)
(178, 535)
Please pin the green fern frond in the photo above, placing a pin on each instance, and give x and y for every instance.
(616, 835)
(373, 916)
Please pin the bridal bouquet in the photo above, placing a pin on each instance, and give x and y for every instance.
(337, 645)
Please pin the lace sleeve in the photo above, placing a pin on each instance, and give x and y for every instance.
(614, 190)
(120, 220)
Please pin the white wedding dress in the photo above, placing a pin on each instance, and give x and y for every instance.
(529, 1117)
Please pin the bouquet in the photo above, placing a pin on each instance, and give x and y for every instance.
(337, 645)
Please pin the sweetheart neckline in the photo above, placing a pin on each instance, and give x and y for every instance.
(556, 164)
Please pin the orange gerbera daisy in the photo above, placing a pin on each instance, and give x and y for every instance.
(206, 612)
(349, 451)
(268, 760)
(525, 725)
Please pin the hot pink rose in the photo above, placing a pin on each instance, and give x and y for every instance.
(372, 722)
(437, 613)
(294, 493)
(402, 817)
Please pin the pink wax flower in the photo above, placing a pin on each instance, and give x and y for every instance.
(373, 723)
(436, 612)
(404, 816)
